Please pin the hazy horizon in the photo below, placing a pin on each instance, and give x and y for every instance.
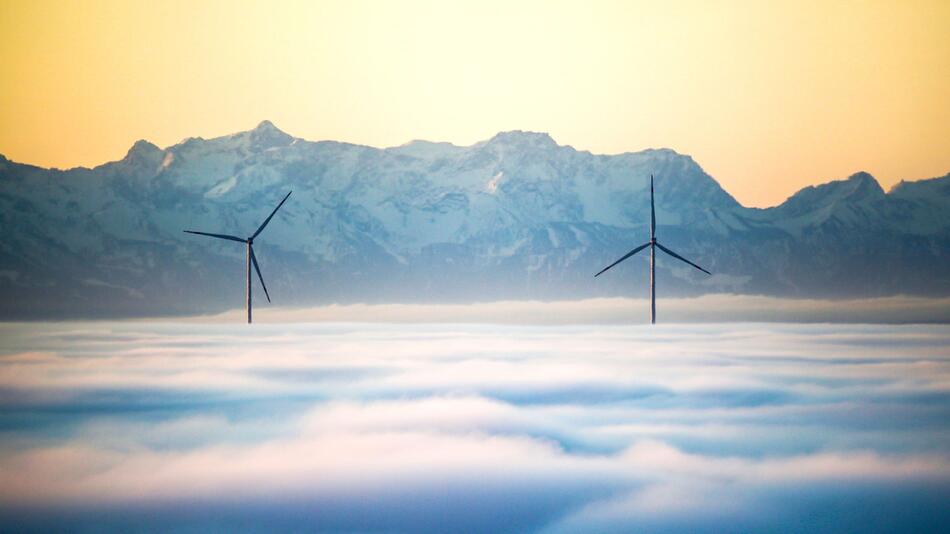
(706, 309)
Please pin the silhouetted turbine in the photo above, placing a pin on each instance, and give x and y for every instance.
(251, 258)
(653, 244)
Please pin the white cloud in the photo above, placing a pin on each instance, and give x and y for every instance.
(585, 428)
(704, 309)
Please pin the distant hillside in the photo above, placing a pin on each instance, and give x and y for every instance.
(513, 217)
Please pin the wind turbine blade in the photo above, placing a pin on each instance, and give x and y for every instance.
(677, 256)
(627, 255)
(219, 236)
(259, 276)
(652, 211)
(269, 217)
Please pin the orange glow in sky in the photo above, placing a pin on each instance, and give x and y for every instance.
(768, 97)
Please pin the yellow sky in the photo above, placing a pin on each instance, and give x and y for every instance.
(767, 97)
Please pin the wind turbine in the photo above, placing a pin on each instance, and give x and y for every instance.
(250, 253)
(653, 244)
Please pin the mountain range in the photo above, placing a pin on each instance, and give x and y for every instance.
(514, 217)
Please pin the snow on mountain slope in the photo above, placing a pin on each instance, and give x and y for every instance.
(515, 216)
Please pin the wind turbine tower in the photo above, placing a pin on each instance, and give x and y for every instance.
(653, 244)
(251, 258)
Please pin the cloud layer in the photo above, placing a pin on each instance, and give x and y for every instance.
(474, 428)
(716, 308)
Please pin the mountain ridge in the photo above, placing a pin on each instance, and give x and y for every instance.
(269, 127)
(513, 216)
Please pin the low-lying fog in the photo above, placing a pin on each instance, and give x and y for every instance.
(474, 428)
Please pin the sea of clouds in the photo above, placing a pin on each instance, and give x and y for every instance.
(715, 308)
(376, 427)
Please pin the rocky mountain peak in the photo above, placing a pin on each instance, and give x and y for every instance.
(142, 148)
(522, 139)
(266, 126)
(862, 186)
(266, 135)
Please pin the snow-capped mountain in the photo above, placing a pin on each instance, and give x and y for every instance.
(516, 216)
